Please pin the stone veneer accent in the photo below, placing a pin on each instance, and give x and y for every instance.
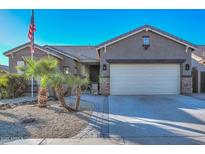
(105, 85)
(186, 86)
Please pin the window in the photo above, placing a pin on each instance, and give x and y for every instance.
(146, 41)
(21, 64)
(75, 70)
(66, 69)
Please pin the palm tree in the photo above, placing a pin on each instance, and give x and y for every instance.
(40, 69)
(77, 82)
(56, 81)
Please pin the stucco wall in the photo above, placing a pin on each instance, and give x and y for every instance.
(131, 48)
(73, 65)
(18, 56)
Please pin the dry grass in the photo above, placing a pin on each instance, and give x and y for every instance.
(30, 121)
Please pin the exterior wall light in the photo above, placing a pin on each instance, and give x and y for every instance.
(187, 67)
(104, 67)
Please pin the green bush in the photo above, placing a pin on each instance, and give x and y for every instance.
(2, 73)
(12, 86)
(4, 92)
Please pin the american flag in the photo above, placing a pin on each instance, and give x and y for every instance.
(32, 29)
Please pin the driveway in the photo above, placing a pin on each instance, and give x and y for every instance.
(167, 119)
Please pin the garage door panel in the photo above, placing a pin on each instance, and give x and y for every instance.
(143, 82)
(143, 78)
(147, 71)
(137, 79)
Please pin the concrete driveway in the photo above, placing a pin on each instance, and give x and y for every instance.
(168, 119)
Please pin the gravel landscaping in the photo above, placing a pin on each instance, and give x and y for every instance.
(17, 101)
(30, 121)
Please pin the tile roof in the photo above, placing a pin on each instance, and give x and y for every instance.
(36, 46)
(11, 50)
(89, 52)
(80, 52)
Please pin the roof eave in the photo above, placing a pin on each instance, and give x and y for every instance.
(58, 51)
(90, 60)
(9, 52)
(144, 28)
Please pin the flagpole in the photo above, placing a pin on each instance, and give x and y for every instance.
(32, 43)
(32, 79)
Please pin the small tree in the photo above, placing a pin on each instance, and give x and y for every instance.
(56, 81)
(40, 69)
(77, 82)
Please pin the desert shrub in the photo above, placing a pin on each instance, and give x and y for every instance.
(12, 86)
(2, 72)
(4, 91)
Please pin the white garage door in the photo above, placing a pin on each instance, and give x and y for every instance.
(144, 79)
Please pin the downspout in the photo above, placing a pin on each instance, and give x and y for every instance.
(105, 49)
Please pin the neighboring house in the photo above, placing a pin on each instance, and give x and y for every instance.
(144, 61)
(198, 69)
(3, 69)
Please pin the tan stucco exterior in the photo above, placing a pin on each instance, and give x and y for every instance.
(128, 49)
(161, 49)
(18, 56)
(25, 52)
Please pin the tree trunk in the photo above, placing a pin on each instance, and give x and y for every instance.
(60, 93)
(54, 93)
(42, 97)
(78, 93)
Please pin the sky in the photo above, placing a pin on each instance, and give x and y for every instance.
(91, 27)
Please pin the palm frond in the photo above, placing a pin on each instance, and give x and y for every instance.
(73, 80)
(57, 79)
(46, 66)
(39, 69)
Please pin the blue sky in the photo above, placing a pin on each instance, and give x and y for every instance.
(90, 27)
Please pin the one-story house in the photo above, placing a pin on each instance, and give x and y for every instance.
(4, 69)
(198, 69)
(144, 61)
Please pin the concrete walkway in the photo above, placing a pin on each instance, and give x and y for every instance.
(107, 141)
(98, 124)
(69, 141)
(200, 96)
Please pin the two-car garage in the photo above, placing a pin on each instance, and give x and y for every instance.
(144, 79)
(146, 61)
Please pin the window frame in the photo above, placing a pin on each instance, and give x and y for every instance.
(64, 71)
(146, 40)
(20, 63)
